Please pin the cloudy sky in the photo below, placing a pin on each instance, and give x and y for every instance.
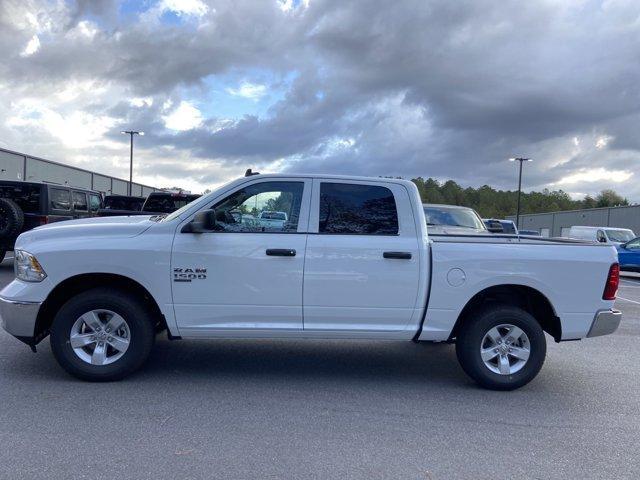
(440, 88)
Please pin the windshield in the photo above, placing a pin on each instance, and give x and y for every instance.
(454, 217)
(621, 236)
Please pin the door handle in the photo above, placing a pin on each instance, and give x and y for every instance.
(397, 255)
(281, 252)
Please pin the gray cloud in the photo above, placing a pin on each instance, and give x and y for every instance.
(431, 88)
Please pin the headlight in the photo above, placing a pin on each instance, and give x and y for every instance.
(27, 267)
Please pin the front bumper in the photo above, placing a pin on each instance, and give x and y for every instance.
(605, 322)
(19, 317)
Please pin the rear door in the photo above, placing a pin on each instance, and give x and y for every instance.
(362, 267)
(59, 204)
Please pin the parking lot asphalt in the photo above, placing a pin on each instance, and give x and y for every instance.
(313, 409)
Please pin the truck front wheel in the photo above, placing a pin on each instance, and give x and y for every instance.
(501, 347)
(102, 335)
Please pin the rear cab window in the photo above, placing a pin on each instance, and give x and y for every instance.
(123, 203)
(357, 209)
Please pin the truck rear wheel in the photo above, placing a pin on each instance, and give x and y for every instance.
(102, 335)
(501, 347)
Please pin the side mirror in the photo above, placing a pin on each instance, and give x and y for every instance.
(204, 221)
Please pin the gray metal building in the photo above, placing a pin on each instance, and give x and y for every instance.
(558, 223)
(19, 166)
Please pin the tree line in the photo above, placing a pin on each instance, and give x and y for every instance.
(492, 203)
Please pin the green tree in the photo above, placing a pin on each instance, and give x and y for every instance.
(492, 203)
(609, 198)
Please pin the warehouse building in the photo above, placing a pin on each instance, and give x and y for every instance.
(19, 166)
(557, 224)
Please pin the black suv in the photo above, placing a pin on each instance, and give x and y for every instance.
(26, 205)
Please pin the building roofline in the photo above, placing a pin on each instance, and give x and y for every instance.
(22, 154)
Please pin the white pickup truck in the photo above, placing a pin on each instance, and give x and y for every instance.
(353, 261)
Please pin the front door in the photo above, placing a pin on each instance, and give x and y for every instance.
(246, 275)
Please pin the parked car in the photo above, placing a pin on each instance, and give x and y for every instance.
(26, 205)
(609, 235)
(157, 203)
(629, 255)
(354, 261)
(270, 219)
(452, 220)
(508, 226)
(115, 205)
(166, 202)
(531, 233)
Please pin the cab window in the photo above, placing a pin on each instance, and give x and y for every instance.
(355, 209)
(600, 237)
(80, 201)
(265, 207)
(60, 199)
(633, 244)
(94, 202)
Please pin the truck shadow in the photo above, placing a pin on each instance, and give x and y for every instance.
(362, 361)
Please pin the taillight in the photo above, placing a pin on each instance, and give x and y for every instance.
(613, 279)
(43, 219)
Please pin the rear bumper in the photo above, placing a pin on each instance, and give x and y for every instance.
(605, 322)
(19, 317)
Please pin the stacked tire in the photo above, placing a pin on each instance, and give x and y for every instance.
(11, 223)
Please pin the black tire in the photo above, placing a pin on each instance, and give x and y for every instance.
(131, 309)
(11, 219)
(2, 255)
(470, 340)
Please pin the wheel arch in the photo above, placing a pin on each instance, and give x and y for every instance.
(528, 298)
(80, 283)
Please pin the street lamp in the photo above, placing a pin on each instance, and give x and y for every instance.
(521, 160)
(131, 133)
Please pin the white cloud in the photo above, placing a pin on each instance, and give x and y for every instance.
(590, 175)
(77, 129)
(603, 141)
(182, 8)
(184, 117)
(252, 91)
(32, 47)
(141, 102)
(186, 7)
(289, 5)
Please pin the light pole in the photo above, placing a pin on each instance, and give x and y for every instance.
(521, 160)
(131, 133)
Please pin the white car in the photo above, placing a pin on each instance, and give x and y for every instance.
(609, 235)
(271, 219)
(355, 262)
